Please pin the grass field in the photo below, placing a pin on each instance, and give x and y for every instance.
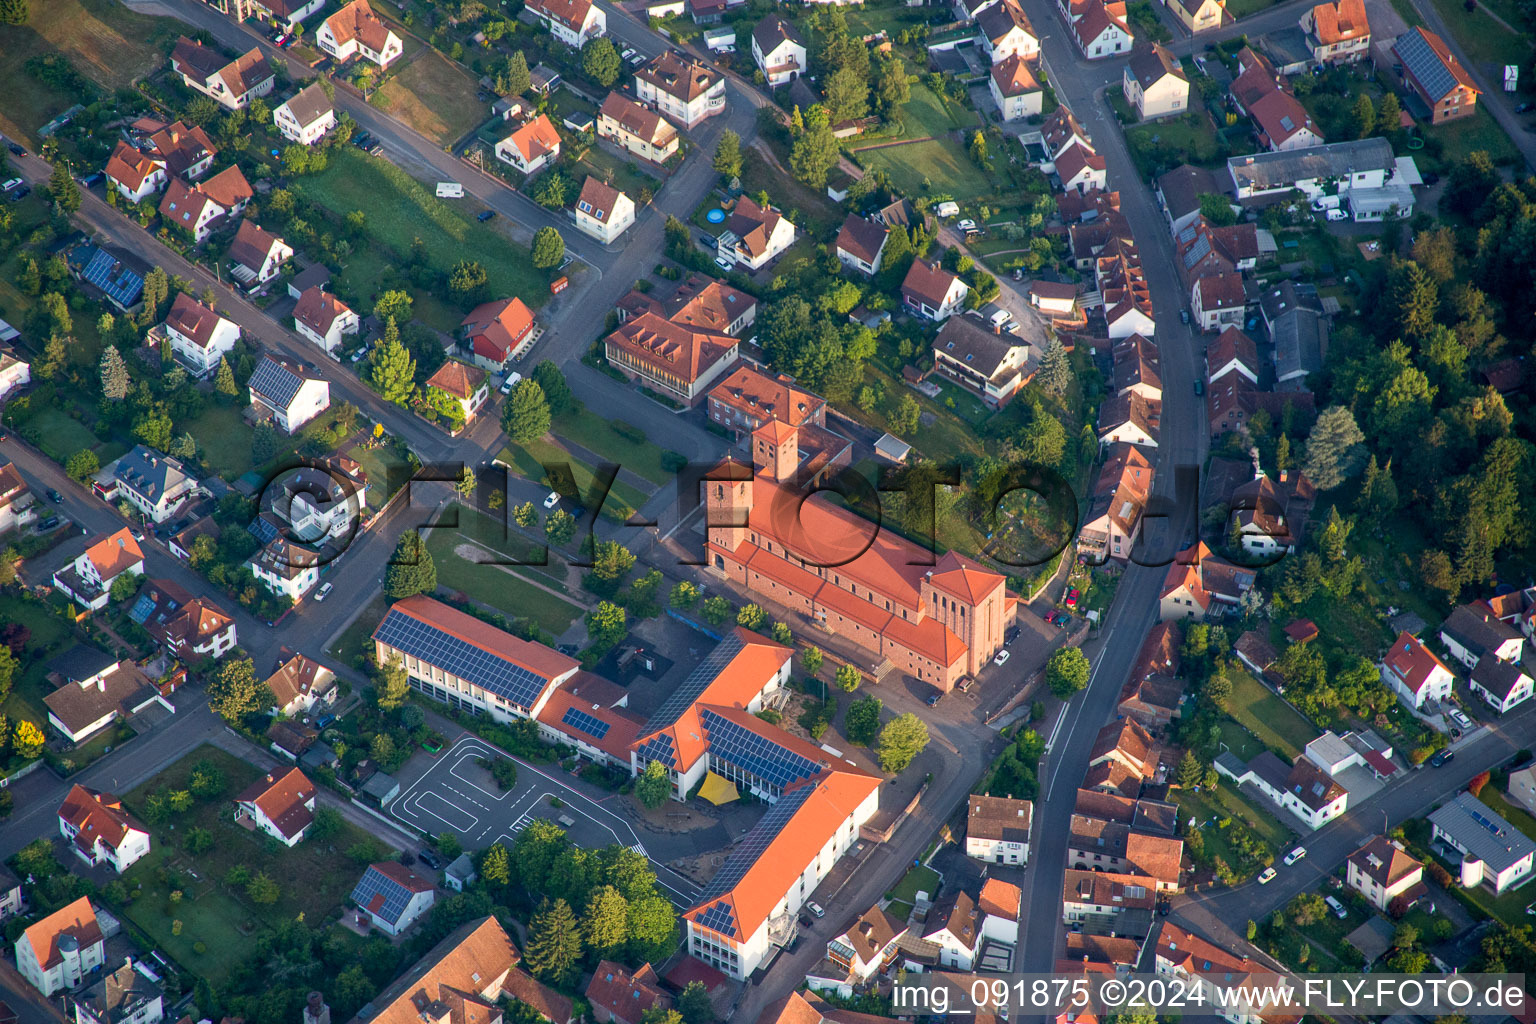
(434, 96)
(49, 632)
(529, 460)
(597, 435)
(809, 208)
(924, 168)
(225, 441)
(1174, 142)
(354, 640)
(1486, 43)
(917, 878)
(400, 209)
(502, 537)
(1469, 134)
(500, 587)
(106, 42)
(62, 436)
(929, 115)
(1268, 717)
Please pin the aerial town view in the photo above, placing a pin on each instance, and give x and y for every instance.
(767, 511)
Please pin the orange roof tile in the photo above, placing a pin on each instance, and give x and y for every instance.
(77, 919)
(282, 798)
(115, 554)
(97, 816)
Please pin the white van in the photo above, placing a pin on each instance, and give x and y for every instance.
(1337, 908)
(450, 190)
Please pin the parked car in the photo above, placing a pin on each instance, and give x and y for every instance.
(815, 908)
(1337, 907)
(627, 52)
(486, 215)
(932, 700)
(966, 225)
(1199, 387)
(361, 140)
(806, 921)
(1336, 215)
(1010, 635)
(90, 180)
(637, 60)
(1522, 108)
(552, 499)
(21, 193)
(325, 721)
(432, 860)
(968, 684)
(49, 523)
(1295, 855)
(1073, 596)
(10, 183)
(724, 264)
(1442, 758)
(54, 496)
(1267, 875)
(1183, 316)
(1060, 618)
(16, 148)
(321, 594)
(1001, 658)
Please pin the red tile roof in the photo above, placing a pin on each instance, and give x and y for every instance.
(1339, 22)
(115, 554)
(669, 348)
(77, 919)
(282, 798)
(536, 658)
(97, 816)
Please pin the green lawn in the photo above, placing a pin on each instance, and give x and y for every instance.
(400, 209)
(224, 440)
(1469, 134)
(386, 468)
(1268, 717)
(435, 96)
(1188, 139)
(922, 168)
(916, 879)
(926, 114)
(500, 587)
(628, 176)
(528, 461)
(598, 435)
(60, 435)
(314, 878)
(354, 641)
(1244, 8)
(50, 632)
(1240, 741)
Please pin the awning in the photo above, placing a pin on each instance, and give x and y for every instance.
(717, 789)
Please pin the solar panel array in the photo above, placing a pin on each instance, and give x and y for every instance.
(375, 883)
(754, 843)
(113, 278)
(1425, 65)
(719, 918)
(581, 721)
(754, 753)
(263, 529)
(457, 657)
(271, 379)
(142, 608)
(697, 682)
(659, 748)
(1484, 821)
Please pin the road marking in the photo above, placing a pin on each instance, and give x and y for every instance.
(1055, 729)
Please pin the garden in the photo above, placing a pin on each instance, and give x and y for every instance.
(433, 95)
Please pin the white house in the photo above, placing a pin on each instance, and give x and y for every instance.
(531, 146)
(999, 903)
(931, 291)
(289, 394)
(468, 385)
(154, 483)
(1100, 27)
(306, 116)
(323, 319)
(1338, 168)
(393, 896)
(96, 690)
(300, 684)
(1472, 632)
(355, 31)
(1493, 852)
(1501, 683)
(89, 578)
(199, 337)
(1217, 301)
(18, 505)
(1155, 83)
(256, 256)
(684, 90)
(132, 994)
(637, 128)
(100, 831)
(779, 50)
(233, 83)
(985, 359)
(860, 244)
(184, 625)
(1003, 31)
(755, 235)
(60, 951)
(868, 946)
(1382, 871)
(1130, 419)
(997, 830)
(1414, 673)
(286, 568)
(281, 805)
(603, 212)
(1302, 788)
(1081, 170)
(1015, 89)
(954, 925)
(135, 174)
(573, 22)
(191, 208)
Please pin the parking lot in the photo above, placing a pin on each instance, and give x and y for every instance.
(458, 796)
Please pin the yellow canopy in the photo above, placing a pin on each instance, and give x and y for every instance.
(718, 790)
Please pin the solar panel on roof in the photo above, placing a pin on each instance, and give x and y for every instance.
(754, 753)
(141, 608)
(489, 671)
(113, 278)
(263, 529)
(719, 918)
(583, 722)
(697, 682)
(1425, 65)
(659, 748)
(754, 843)
(375, 883)
(273, 380)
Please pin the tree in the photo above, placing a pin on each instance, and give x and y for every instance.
(1414, 297)
(114, 375)
(263, 443)
(391, 367)
(606, 924)
(1475, 787)
(548, 248)
(1335, 449)
(13, 12)
(207, 781)
(612, 561)
(654, 785)
(525, 416)
(694, 1004)
(862, 723)
(600, 61)
(902, 739)
(235, 692)
(467, 280)
(224, 380)
(560, 527)
(847, 94)
(1190, 771)
(715, 610)
(1067, 672)
(1364, 117)
(1055, 373)
(496, 866)
(393, 686)
(464, 486)
(891, 86)
(904, 418)
(411, 570)
(728, 155)
(848, 678)
(525, 515)
(124, 587)
(82, 465)
(607, 624)
(814, 151)
(8, 666)
(1217, 209)
(1388, 115)
(26, 740)
(516, 78)
(262, 889)
(395, 305)
(63, 189)
(810, 660)
(557, 392)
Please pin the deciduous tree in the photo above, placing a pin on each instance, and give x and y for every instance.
(728, 155)
(654, 785)
(1067, 672)
(902, 739)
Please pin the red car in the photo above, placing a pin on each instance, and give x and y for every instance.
(1072, 596)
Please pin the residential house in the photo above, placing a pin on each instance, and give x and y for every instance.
(532, 146)
(1338, 32)
(281, 805)
(1137, 368)
(572, 22)
(683, 89)
(187, 627)
(194, 209)
(1000, 903)
(233, 83)
(984, 359)
(1154, 82)
(1100, 27)
(1131, 419)
(1343, 169)
(10, 894)
(968, 10)
(1384, 873)
(290, 14)
(931, 291)
(460, 874)
(285, 567)
(1302, 788)
(154, 483)
(305, 116)
(1112, 522)
(1081, 170)
(256, 256)
(1473, 632)
(316, 502)
(1521, 789)
(1200, 15)
(1270, 513)
(393, 896)
(135, 174)
(618, 995)
(755, 235)
(1198, 583)
(1516, 608)
(1435, 76)
(59, 952)
(1107, 902)
(603, 212)
(1127, 744)
(186, 152)
(322, 319)
(1204, 249)
(673, 357)
(954, 925)
(465, 384)
(1232, 352)
(1493, 852)
(18, 506)
(1279, 119)
(1224, 981)
(132, 994)
(1004, 31)
(1293, 315)
(1015, 89)
(1056, 300)
(1151, 701)
(1123, 286)
(108, 274)
(200, 338)
(861, 952)
(861, 244)
(1415, 674)
(100, 831)
(779, 50)
(750, 396)
(89, 578)
(1217, 301)
(355, 31)
(94, 690)
(997, 829)
(498, 332)
(1179, 192)
(300, 684)
(288, 394)
(1503, 684)
(637, 129)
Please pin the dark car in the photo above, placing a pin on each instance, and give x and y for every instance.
(325, 721)
(16, 148)
(362, 140)
(1442, 758)
(49, 523)
(806, 921)
(432, 860)
(54, 496)
(486, 215)
(91, 180)
(1011, 634)
(1522, 108)
(21, 193)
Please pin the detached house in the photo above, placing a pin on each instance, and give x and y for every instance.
(323, 319)
(619, 996)
(497, 332)
(18, 506)
(1199, 581)
(132, 994)
(256, 256)
(954, 925)
(603, 212)
(1200, 15)
(1436, 77)
(997, 829)
(532, 146)
(135, 174)
(982, 358)
(1384, 873)
(755, 235)
(1472, 632)
(465, 384)
(1004, 31)
(779, 50)
(59, 952)
(100, 831)
(286, 568)
(355, 31)
(573, 22)
(289, 394)
(1155, 83)
(95, 690)
(1015, 89)
(233, 83)
(90, 577)
(1503, 684)
(198, 208)
(306, 116)
(299, 684)
(1338, 33)
(1270, 513)
(187, 627)
(1414, 673)
(282, 806)
(393, 896)
(1493, 852)
(866, 948)
(1217, 301)
(861, 244)
(1100, 28)
(199, 337)
(637, 128)
(931, 291)
(1280, 120)
(683, 89)
(154, 483)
